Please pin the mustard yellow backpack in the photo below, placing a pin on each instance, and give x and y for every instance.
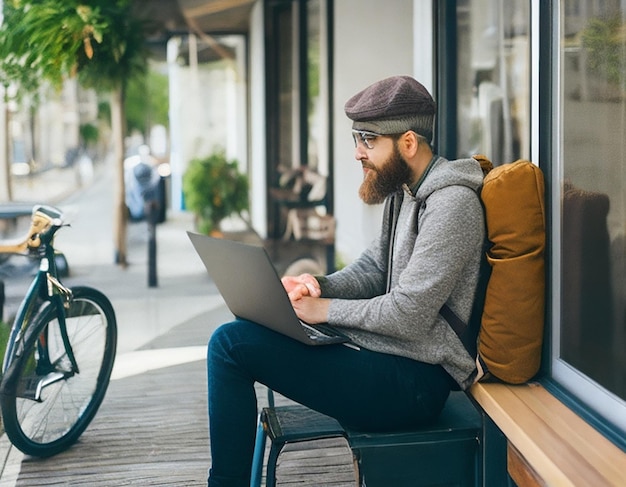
(508, 317)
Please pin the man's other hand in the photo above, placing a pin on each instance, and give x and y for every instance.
(300, 286)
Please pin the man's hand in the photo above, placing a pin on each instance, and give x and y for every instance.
(312, 310)
(304, 293)
(300, 286)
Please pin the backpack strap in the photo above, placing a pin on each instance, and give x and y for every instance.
(468, 332)
(460, 328)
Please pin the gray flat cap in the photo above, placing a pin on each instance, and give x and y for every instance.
(393, 106)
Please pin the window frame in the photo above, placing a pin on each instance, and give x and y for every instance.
(602, 409)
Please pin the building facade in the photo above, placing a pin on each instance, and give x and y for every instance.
(513, 79)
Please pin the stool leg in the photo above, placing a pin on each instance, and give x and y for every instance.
(259, 454)
(270, 474)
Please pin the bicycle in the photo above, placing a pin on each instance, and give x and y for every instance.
(60, 350)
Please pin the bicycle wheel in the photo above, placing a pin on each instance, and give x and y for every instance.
(45, 405)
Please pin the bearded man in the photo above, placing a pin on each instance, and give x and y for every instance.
(403, 357)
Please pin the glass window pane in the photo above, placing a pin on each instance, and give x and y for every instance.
(593, 205)
(317, 81)
(493, 79)
(287, 105)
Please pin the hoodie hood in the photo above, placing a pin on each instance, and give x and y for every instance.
(443, 173)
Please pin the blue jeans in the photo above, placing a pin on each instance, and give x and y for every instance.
(362, 389)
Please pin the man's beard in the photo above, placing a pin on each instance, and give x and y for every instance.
(389, 178)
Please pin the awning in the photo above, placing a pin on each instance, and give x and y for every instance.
(205, 18)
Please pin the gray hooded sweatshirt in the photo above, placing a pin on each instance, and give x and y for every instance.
(428, 253)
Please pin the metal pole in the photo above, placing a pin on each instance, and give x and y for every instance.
(152, 214)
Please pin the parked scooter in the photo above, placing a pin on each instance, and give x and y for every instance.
(145, 188)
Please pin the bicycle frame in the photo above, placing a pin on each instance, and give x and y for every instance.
(45, 287)
(45, 403)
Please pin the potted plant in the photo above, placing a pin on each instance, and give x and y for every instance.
(214, 189)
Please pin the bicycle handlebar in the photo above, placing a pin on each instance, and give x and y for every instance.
(45, 221)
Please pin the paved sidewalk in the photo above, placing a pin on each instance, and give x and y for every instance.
(153, 421)
(152, 426)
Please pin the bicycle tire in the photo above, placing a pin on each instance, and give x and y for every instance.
(50, 426)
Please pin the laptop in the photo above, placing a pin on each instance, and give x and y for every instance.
(252, 290)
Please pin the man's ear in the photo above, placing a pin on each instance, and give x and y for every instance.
(408, 143)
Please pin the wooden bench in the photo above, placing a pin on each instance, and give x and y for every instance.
(546, 442)
(446, 452)
(10, 212)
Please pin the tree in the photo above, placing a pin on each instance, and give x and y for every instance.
(604, 39)
(100, 41)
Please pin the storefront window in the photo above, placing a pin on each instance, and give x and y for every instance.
(317, 100)
(590, 184)
(493, 79)
(297, 50)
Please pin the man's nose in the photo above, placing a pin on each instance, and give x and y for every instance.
(359, 151)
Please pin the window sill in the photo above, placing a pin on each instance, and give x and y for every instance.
(559, 447)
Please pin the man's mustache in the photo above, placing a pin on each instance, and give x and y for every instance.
(368, 165)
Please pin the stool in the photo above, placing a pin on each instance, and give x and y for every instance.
(445, 452)
(287, 424)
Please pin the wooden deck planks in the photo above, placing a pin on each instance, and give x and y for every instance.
(151, 431)
(322, 462)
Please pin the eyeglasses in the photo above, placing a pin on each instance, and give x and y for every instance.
(367, 138)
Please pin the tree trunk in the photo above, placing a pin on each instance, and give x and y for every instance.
(5, 151)
(119, 201)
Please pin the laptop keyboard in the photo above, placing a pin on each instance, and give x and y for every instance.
(313, 333)
(320, 332)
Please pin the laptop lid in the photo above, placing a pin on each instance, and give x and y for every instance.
(250, 285)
